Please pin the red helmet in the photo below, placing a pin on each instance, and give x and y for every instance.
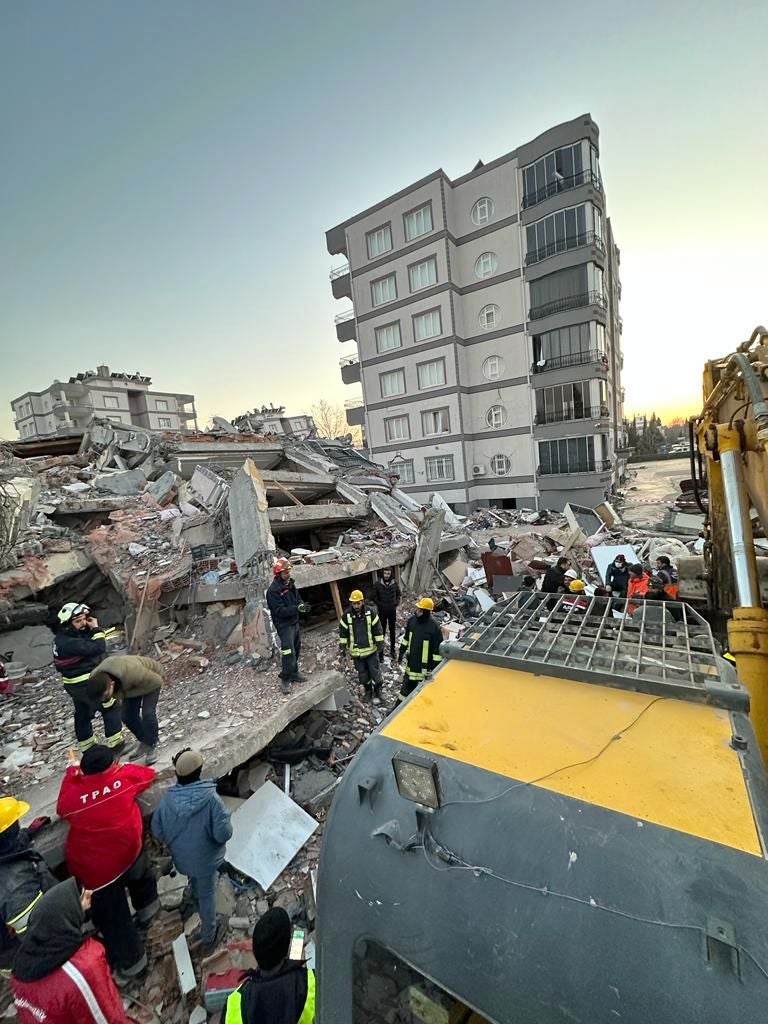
(280, 566)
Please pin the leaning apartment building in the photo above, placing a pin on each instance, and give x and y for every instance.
(486, 316)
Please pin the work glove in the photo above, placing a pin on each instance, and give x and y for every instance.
(37, 823)
(304, 608)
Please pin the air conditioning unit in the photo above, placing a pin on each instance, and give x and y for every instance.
(478, 471)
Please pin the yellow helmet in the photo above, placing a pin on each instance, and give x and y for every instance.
(576, 586)
(11, 810)
(355, 596)
(426, 603)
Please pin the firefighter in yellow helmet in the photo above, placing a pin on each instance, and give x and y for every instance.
(420, 646)
(362, 638)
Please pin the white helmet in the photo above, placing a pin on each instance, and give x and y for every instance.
(69, 611)
(570, 574)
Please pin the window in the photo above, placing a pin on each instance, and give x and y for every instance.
(439, 467)
(501, 465)
(493, 367)
(567, 346)
(569, 455)
(397, 428)
(486, 264)
(562, 290)
(161, 405)
(496, 416)
(553, 173)
(418, 222)
(392, 383)
(564, 402)
(111, 402)
(435, 421)
(432, 374)
(388, 337)
(379, 241)
(422, 275)
(115, 419)
(383, 290)
(404, 469)
(164, 421)
(427, 325)
(566, 229)
(490, 316)
(482, 211)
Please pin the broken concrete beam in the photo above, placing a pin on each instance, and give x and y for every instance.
(207, 488)
(290, 518)
(424, 567)
(130, 482)
(390, 512)
(252, 538)
(315, 575)
(163, 490)
(38, 573)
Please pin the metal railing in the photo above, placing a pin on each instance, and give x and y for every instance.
(341, 318)
(594, 412)
(568, 302)
(349, 361)
(562, 184)
(564, 245)
(591, 355)
(353, 403)
(586, 466)
(339, 271)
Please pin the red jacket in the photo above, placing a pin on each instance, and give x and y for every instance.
(105, 826)
(80, 990)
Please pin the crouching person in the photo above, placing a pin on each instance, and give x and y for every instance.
(59, 976)
(193, 822)
(134, 682)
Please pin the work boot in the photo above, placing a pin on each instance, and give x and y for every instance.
(377, 694)
(367, 695)
(299, 678)
(151, 755)
(140, 751)
(212, 944)
(285, 686)
(124, 747)
(129, 975)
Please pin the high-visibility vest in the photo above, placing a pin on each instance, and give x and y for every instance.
(235, 1004)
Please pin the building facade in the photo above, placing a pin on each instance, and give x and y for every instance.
(271, 419)
(67, 407)
(486, 318)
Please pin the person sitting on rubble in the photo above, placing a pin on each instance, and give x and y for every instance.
(420, 647)
(386, 596)
(193, 822)
(576, 600)
(284, 602)
(24, 876)
(652, 607)
(361, 637)
(554, 578)
(280, 990)
(617, 576)
(104, 851)
(638, 584)
(667, 573)
(60, 976)
(78, 647)
(135, 682)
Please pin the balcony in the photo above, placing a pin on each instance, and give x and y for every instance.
(350, 370)
(587, 466)
(355, 411)
(562, 184)
(620, 322)
(574, 359)
(345, 325)
(566, 303)
(341, 282)
(564, 245)
(597, 412)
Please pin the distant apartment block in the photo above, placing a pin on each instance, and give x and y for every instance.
(271, 419)
(67, 407)
(485, 312)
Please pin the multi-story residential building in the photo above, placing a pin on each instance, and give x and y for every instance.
(67, 408)
(271, 419)
(485, 312)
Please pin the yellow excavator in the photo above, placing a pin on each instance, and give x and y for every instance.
(568, 824)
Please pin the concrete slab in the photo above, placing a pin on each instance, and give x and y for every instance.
(289, 518)
(130, 482)
(31, 645)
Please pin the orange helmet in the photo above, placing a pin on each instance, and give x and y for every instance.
(280, 566)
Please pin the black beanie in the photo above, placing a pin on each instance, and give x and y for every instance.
(272, 938)
(96, 759)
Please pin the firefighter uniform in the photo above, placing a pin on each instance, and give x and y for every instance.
(283, 600)
(287, 997)
(420, 647)
(361, 636)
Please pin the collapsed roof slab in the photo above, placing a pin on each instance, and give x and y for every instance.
(307, 487)
(224, 453)
(316, 575)
(293, 518)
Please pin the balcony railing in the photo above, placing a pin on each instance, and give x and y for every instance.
(349, 360)
(565, 415)
(568, 302)
(592, 355)
(586, 466)
(339, 271)
(353, 403)
(342, 318)
(564, 245)
(562, 184)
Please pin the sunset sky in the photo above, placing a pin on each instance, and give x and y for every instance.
(169, 169)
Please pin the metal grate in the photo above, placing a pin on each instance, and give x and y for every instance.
(661, 647)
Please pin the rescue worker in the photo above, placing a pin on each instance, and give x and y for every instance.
(360, 637)
(24, 876)
(279, 991)
(386, 596)
(638, 584)
(420, 646)
(104, 850)
(284, 602)
(576, 600)
(554, 577)
(193, 822)
(134, 681)
(617, 576)
(667, 573)
(78, 647)
(60, 976)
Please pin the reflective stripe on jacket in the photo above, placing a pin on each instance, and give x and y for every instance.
(77, 652)
(360, 634)
(421, 645)
(288, 1012)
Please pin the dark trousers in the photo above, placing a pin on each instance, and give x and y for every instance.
(369, 669)
(410, 681)
(140, 715)
(112, 915)
(388, 619)
(85, 709)
(290, 648)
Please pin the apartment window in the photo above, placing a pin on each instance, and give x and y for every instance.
(161, 405)
(383, 290)
(427, 325)
(418, 222)
(432, 374)
(566, 229)
(392, 383)
(164, 421)
(493, 367)
(564, 402)
(439, 467)
(379, 241)
(568, 455)
(397, 428)
(388, 337)
(115, 419)
(482, 211)
(422, 275)
(555, 172)
(496, 417)
(567, 346)
(490, 316)
(599, 330)
(501, 465)
(405, 471)
(486, 264)
(111, 402)
(560, 291)
(435, 421)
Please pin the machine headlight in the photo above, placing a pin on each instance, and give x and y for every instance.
(417, 779)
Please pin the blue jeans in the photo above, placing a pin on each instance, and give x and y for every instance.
(204, 891)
